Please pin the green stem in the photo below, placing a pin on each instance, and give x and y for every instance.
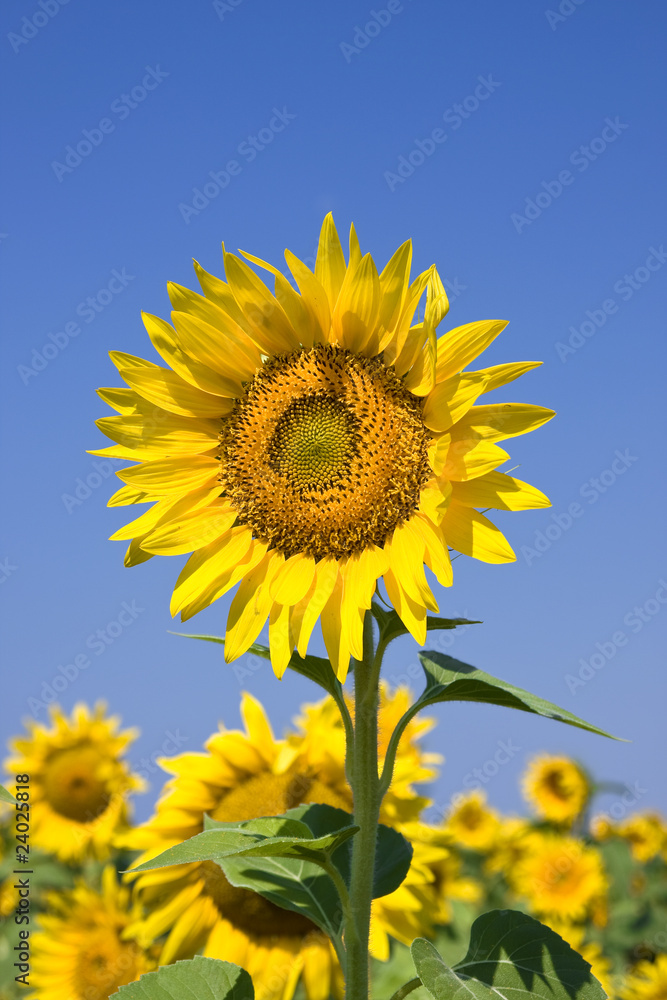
(366, 791)
(338, 880)
(401, 993)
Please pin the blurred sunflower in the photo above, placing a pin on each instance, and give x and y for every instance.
(78, 781)
(556, 788)
(471, 824)
(243, 775)
(326, 757)
(80, 952)
(647, 981)
(305, 444)
(508, 846)
(445, 865)
(646, 834)
(559, 876)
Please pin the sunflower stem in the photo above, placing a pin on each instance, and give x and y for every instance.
(366, 792)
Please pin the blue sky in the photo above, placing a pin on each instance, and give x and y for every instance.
(519, 145)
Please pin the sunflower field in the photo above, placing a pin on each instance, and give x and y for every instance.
(600, 884)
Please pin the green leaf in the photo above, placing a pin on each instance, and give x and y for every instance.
(393, 857)
(203, 978)
(510, 953)
(391, 626)
(281, 836)
(292, 884)
(6, 796)
(448, 679)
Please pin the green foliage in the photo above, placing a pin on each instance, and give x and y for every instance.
(391, 626)
(6, 796)
(510, 953)
(448, 679)
(203, 978)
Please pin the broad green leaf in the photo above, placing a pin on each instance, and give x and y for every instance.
(200, 978)
(510, 954)
(261, 838)
(448, 679)
(6, 796)
(441, 981)
(292, 884)
(391, 626)
(392, 861)
(393, 853)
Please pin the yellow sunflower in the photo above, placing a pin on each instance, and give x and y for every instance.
(243, 775)
(471, 823)
(305, 444)
(645, 833)
(321, 740)
(78, 781)
(80, 952)
(508, 846)
(556, 788)
(647, 981)
(560, 877)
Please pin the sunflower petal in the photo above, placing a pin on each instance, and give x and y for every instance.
(167, 390)
(500, 375)
(191, 531)
(169, 475)
(499, 491)
(293, 580)
(216, 349)
(227, 579)
(333, 632)
(238, 347)
(313, 295)
(251, 606)
(163, 510)
(281, 642)
(436, 552)
(462, 345)
(270, 328)
(303, 321)
(469, 458)
(206, 565)
(411, 613)
(394, 281)
(309, 608)
(500, 421)
(165, 436)
(218, 291)
(165, 341)
(406, 559)
(330, 262)
(474, 535)
(354, 320)
(451, 400)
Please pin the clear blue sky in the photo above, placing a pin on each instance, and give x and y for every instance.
(542, 202)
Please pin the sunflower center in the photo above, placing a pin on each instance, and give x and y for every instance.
(103, 966)
(555, 782)
(325, 454)
(263, 795)
(74, 784)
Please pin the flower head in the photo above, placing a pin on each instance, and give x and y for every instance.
(471, 823)
(304, 445)
(556, 787)
(79, 952)
(243, 775)
(79, 781)
(561, 877)
(647, 981)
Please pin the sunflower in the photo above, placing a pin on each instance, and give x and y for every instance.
(647, 981)
(509, 845)
(560, 877)
(471, 824)
(243, 775)
(646, 835)
(326, 756)
(556, 788)
(305, 444)
(80, 952)
(78, 781)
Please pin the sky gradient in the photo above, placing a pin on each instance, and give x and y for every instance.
(520, 146)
